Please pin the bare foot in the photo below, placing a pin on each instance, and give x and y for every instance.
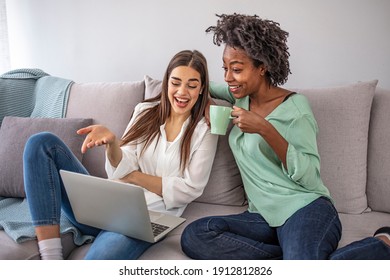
(384, 239)
(47, 232)
(383, 234)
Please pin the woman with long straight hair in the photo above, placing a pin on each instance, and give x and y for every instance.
(167, 149)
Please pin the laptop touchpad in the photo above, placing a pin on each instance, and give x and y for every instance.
(154, 216)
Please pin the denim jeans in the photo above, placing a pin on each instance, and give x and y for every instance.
(313, 232)
(44, 155)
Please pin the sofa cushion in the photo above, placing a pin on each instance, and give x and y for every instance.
(343, 115)
(110, 104)
(14, 133)
(225, 185)
(152, 87)
(28, 250)
(378, 181)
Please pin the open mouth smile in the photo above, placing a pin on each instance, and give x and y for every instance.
(181, 102)
(234, 88)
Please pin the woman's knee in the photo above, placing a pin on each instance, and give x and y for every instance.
(37, 141)
(190, 239)
(197, 237)
(33, 146)
(196, 229)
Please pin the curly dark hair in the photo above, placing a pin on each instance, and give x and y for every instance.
(263, 40)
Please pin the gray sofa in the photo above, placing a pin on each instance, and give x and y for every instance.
(354, 131)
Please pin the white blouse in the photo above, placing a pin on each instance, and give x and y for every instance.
(163, 160)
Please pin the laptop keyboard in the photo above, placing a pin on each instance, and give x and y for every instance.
(157, 228)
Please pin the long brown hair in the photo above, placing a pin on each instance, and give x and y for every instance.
(147, 125)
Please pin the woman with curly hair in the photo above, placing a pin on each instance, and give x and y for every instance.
(290, 211)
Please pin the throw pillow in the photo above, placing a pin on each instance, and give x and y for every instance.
(378, 181)
(225, 184)
(343, 116)
(14, 133)
(152, 87)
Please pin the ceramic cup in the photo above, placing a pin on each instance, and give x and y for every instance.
(220, 117)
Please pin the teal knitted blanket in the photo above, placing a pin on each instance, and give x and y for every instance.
(17, 92)
(15, 220)
(31, 93)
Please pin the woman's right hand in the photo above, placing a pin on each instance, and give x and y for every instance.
(97, 135)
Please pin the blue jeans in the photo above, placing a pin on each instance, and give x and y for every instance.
(44, 155)
(312, 233)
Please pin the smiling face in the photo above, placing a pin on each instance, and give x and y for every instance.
(241, 75)
(184, 87)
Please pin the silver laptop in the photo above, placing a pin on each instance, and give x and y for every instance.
(115, 206)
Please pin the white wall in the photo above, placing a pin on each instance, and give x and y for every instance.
(331, 42)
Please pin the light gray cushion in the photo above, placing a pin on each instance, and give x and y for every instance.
(110, 104)
(378, 181)
(152, 87)
(343, 115)
(225, 184)
(14, 133)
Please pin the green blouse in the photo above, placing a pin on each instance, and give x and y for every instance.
(273, 191)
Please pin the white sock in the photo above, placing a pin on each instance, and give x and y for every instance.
(50, 249)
